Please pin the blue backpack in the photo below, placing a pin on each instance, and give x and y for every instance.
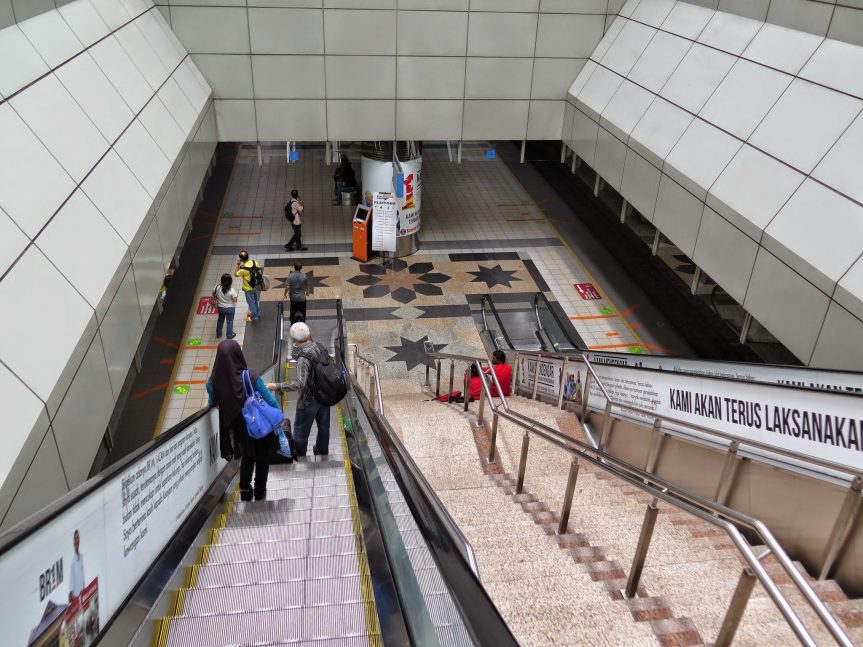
(261, 418)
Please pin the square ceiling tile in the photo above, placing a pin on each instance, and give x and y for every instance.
(729, 32)
(122, 73)
(29, 66)
(837, 65)
(782, 48)
(628, 46)
(697, 76)
(598, 92)
(85, 21)
(700, 156)
(805, 122)
(143, 55)
(626, 108)
(51, 37)
(659, 59)
(659, 130)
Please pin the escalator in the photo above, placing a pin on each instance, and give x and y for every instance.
(533, 324)
(352, 548)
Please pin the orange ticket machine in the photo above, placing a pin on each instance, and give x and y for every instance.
(362, 226)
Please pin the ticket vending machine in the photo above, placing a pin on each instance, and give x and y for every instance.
(362, 226)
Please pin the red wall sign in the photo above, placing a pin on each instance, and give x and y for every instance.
(207, 307)
(587, 291)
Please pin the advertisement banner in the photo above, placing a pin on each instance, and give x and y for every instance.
(409, 205)
(820, 424)
(384, 222)
(64, 582)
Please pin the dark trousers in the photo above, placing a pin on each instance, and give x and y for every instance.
(297, 307)
(313, 411)
(261, 469)
(297, 239)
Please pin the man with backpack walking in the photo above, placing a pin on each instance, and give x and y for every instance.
(253, 281)
(294, 215)
(320, 383)
(297, 289)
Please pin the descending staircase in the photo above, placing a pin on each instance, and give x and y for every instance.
(289, 569)
(565, 589)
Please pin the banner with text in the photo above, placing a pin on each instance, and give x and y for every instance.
(67, 580)
(384, 222)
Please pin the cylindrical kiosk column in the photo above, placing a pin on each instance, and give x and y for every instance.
(400, 174)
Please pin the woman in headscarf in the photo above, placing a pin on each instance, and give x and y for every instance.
(225, 388)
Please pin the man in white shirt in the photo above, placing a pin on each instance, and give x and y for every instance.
(76, 575)
(294, 214)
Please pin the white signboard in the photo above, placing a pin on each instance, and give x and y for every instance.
(384, 222)
(410, 203)
(65, 582)
(821, 424)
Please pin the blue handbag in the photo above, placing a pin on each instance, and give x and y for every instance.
(260, 417)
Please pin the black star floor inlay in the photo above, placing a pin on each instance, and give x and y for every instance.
(493, 276)
(412, 353)
(314, 281)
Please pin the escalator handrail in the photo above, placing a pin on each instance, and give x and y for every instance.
(486, 298)
(539, 296)
(445, 541)
(713, 513)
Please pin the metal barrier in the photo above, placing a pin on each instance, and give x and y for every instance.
(709, 511)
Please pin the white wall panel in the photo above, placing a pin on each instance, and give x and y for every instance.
(170, 222)
(113, 13)
(840, 344)
(34, 184)
(678, 214)
(625, 109)
(148, 268)
(729, 33)
(849, 291)
(659, 60)
(178, 106)
(39, 365)
(119, 196)
(653, 13)
(151, 28)
(104, 248)
(193, 84)
(7, 17)
(212, 30)
(700, 156)
(287, 31)
(143, 55)
(565, 36)
(697, 76)
(14, 46)
(51, 37)
(143, 156)
(43, 484)
(716, 238)
(782, 48)
(162, 128)
(498, 78)
(598, 91)
(847, 23)
(360, 32)
(553, 76)
(291, 120)
(502, 34)
(438, 77)
(12, 243)
(236, 120)
(545, 120)
(122, 73)
(294, 77)
(363, 119)
(361, 77)
(230, 75)
(625, 51)
(775, 291)
(841, 167)
(61, 125)
(659, 130)
(92, 90)
(837, 65)
(609, 159)
(432, 33)
(428, 119)
(641, 183)
(82, 418)
(801, 15)
(688, 20)
(584, 134)
(495, 119)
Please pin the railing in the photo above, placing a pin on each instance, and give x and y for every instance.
(552, 327)
(709, 511)
(498, 333)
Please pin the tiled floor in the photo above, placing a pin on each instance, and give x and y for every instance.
(478, 206)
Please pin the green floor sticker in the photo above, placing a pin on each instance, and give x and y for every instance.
(607, 311)
(636, 350)
(182, 389)
(194, 341)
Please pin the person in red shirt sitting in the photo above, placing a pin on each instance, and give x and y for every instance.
(503, 371)
(475, 386)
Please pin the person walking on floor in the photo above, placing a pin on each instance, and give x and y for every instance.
(225, 389)
(294, 215)
(344, 179)
(226, 302)
(245, 267)
(297, 289)
(309, 410)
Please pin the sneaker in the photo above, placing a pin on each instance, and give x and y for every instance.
(219, 337)
(232, 335)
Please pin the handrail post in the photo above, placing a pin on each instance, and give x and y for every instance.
(606, 426)
(562, 382)
(437, 385)
(585, 393)
(641, 549)
(481, 410)
(515, 374)
(736, 608)
(451, 378)
(567, 497)
(535, 378)
(522, 464)
(466, 391)
(726, 479)
(428, 372)
(842, 528)
(490, 459)
(655, 446)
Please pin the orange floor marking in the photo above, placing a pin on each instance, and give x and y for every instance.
(660, 348)
(593, 317)
(606, 346)
(630, 310)
(238, 233)
(152, 389)
(165, 342)
(201, 368)
(166, 361)
(612, 334)
(178, 383)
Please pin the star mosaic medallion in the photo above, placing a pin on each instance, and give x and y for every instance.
(412, 353)
(493, 276)
(314, 281)
(400, 280)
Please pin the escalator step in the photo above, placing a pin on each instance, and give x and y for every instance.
(268, 518)
(241, 535)
(267, 550)
(284, 625)
(277, 570)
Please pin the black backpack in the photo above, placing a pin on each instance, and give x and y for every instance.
(289, 213)
(256, 275)
(327, 381)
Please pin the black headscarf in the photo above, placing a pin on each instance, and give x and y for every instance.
(227, 379)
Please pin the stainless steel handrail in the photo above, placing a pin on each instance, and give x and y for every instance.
(375, 387)
(709, 511)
